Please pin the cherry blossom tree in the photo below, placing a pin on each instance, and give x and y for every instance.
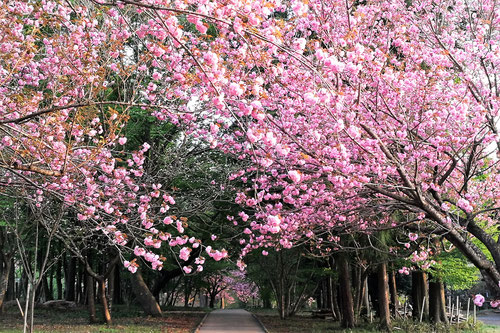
(381, 107)
(349, 112)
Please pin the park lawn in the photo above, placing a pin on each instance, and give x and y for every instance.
(306, 323)
(125, 319)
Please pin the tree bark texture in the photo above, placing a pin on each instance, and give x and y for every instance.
(419, 290)
(394, 294)
(347, 305)
(91, 298)
(437, 310)
(144, 295)
(383, 295)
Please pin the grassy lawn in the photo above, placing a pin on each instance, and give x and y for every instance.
(305, 323)
(125, 319)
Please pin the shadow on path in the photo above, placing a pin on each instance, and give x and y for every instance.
(224, 321)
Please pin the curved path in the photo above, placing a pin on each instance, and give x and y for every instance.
(219, 321)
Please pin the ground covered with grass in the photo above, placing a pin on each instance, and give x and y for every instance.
(304, 322)
(125, 319)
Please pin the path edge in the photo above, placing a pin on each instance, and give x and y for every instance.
(198, 327)
(260, 322)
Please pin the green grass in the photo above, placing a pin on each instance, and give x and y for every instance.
(305, 323)
(125, 319)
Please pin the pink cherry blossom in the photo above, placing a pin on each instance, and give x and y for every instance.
(478, 299)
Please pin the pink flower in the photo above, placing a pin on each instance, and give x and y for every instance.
(184, 253)
(139, 251)
(478, 299)
(202, 28)
(122, 140)
(465, 205)
(274, 222)
(187, 269)
(294, 176)
(404, 271)
(413, 237)
(179, 226)
(495, 303)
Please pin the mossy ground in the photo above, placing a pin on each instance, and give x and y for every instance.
(125, 319)
(306, 323)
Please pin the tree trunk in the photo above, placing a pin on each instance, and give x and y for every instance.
(394, 294)
(212, 301)
(11, 287)
(187, 291)
(366, 299)
(80, 296)
(70, 280)
(143, 295)
(91, 298)
(437, 310)
(59, 279)
(320, 298)
(347, 305)
(117, 290)
(111, 288)
(51, 283)
(333, 299)
(45, 289)
(383, 295)
(420, 290)
(358, 289)
(5, 265)
(104, 301)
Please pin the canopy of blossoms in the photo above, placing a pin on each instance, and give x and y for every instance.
(348, 111)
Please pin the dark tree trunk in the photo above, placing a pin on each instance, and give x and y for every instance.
(51, 283)
(59, 279)
(45, 289)
(320, 298)
(143, 295)
(111, 288)
(383, 295)
(394, 294)
(5, 266)
(91, 298)
(167, 275)
(334, 299)
(419, 293)
(70, 280)
(347, 305)
(117, 291)
(80, 295)
(11, 287)
(358, 287)
(211, 303)
(437, 310)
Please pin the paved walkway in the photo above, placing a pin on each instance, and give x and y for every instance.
(489, 317)
(236, 321)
